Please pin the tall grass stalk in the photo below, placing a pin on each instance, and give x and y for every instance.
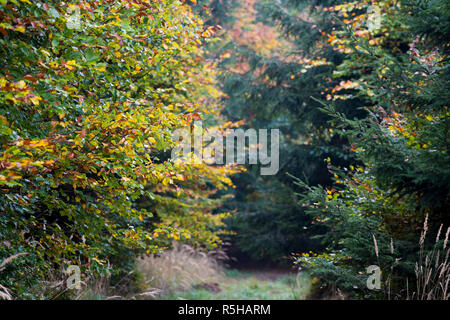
(433, 269)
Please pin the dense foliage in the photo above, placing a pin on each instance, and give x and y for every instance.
(360, 92)
(90, 93)
(375, 208)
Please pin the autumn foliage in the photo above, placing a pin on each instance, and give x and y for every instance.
(90, 93)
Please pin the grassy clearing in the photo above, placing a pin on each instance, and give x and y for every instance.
(246, 286)
(186, 273)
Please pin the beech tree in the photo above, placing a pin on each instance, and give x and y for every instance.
(90, 93)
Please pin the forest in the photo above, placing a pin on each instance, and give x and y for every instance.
(315, 140)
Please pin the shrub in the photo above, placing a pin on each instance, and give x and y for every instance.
(90, 93)
(401, 172)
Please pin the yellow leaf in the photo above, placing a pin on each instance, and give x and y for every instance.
(69, 64)
(35, 100)
(21, 84)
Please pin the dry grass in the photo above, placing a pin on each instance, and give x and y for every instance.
(179, 269)
(433, 269)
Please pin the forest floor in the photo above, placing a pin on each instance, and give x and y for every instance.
(247, 285)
